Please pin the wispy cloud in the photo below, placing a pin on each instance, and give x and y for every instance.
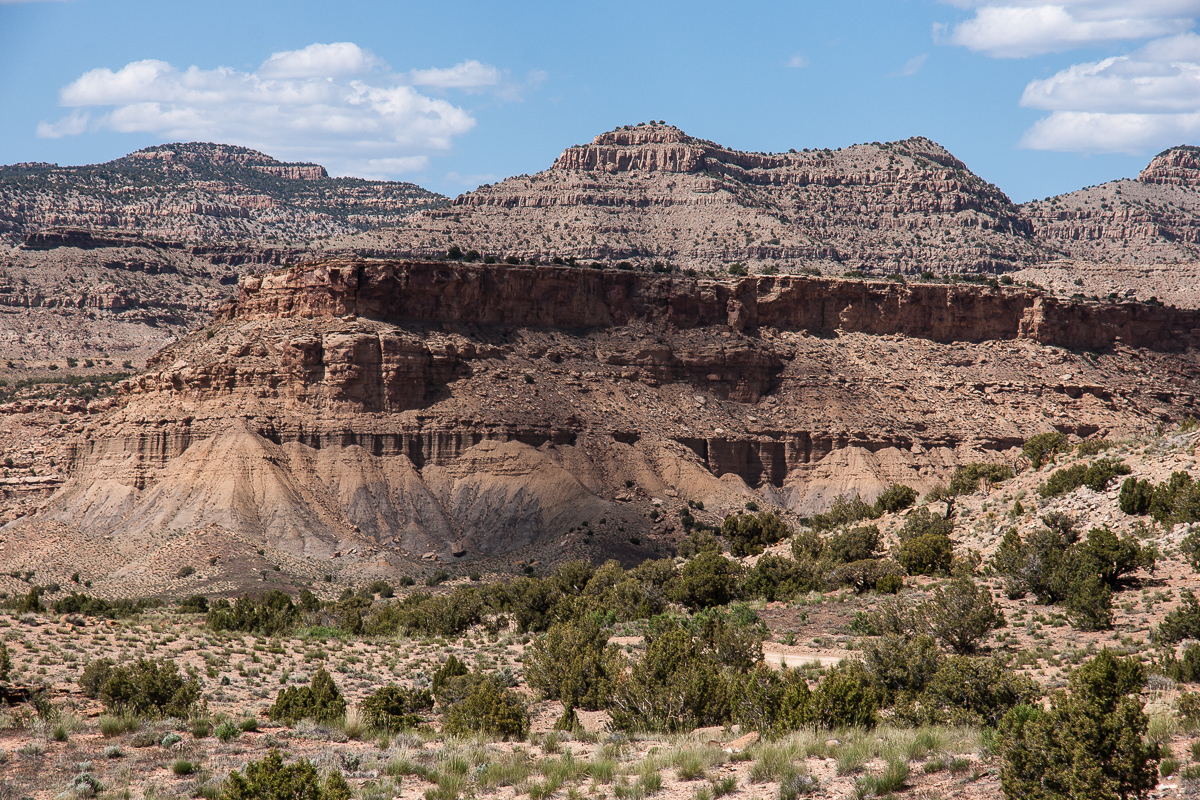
(337, 102)
(913, 65)
(1018, 28)
(797, 62)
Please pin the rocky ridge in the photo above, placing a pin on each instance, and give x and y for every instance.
(651, 193)
(385, 411)
(201, 192)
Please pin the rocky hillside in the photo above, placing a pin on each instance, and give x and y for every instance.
(652, 193)
(386, 411)
(201, 192)
(1138, 235)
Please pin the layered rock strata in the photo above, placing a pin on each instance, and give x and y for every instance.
(653, 193)
(408, 408)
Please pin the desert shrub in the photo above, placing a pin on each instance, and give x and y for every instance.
(1176, 500)
(1184, 670)
(1081, 576)
(750, 534)
(707, 580)
(5, 662)
(194, 604)
(775, 578)
(573, 662)
(270, 779)
(319, 701)
(970, 691)
(844, 511)
(1096, 476)
(148, 688)
(698, 541)
(393, 708)
(1183, 622)
(900, 666)
(227, 731)
(533, 604)
(1093, 447)
(1044, 447)
(453, 668)
(733, 635)
(677, 685)
(638, 594)
(271, 614)
(76, 603)
(862, 575)
(856, 544)
(845, 697)
(491, 709)
(962, 615)
(1089, 743)
(94, 675)
(771, 701)
(929, 554)
(967, 478)
(896, 497)
(889, 584)
(807, 545)
(925, 544)
(1135, 496)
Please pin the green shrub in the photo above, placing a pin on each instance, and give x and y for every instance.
(900, 666)
(1176, 500)
(896, 497)
(962, 615)
(573, 662)
(844, 511)
(1184, 670)
(967, 478)
(677, 685)
(491, 709)
(1135, 496)
(271, 614)
(929, 554)
(771, 701)
(453, 668)
(195, 604)
(5, 662)
(750, 534)
(1044, 447)
(393, 708)
(148, 688)
(707, 580)
(857, 544)
(227, 731)
(320, 701)
(845, 697)
(889, 584)
(1183, 622)
(968, 690)
(777, 578)
(1096, 476)
(270, 779)
(1089, 743)
(1093, 447)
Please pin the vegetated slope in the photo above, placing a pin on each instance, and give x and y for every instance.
(650, 193)
(385, 411)
(200, 191)
(1137, 237)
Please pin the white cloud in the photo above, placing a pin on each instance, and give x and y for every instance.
(797, 62)
(332, 102)
(1017, 28)
(317, 61)
(1146, 100)
(464, 75)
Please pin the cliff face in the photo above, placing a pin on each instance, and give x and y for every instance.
(402, 408)
(200, 192)
(652, 193)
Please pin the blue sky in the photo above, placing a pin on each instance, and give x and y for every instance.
(1037, 97)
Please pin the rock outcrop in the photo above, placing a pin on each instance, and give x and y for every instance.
(200, 193)
(651, 193)
(395, 409)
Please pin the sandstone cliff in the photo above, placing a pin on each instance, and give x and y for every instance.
(200, 192)
(652, 193)
(395, 409)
